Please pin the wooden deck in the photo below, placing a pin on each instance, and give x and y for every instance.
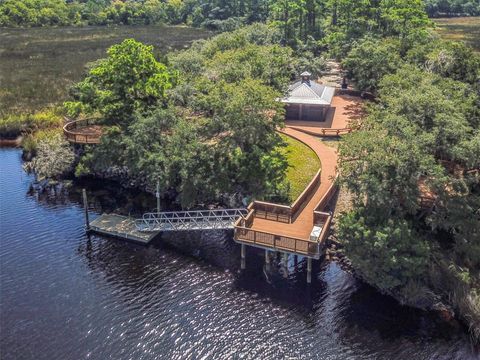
(290, 229)
(122, 227)
(84, 131)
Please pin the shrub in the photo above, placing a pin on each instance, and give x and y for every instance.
(54, 158)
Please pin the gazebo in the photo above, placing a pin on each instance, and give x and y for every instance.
(308, 100)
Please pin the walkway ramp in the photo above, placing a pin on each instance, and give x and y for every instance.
(189, 220)
(143, 230)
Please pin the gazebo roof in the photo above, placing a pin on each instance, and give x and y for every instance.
(309, 93)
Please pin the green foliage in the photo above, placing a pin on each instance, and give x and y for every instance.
(351, 20)
(386, 253)
(421, 139)
(54, 158)
(213, 134)
(437, 8)
(129, 80)
(30, 141)
(370, 60)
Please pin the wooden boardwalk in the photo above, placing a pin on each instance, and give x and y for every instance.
(302, 227)
(122, 227)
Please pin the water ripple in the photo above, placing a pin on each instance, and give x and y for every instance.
(65, 295)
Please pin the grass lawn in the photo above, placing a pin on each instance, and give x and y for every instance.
(460, 29)
(303, 165)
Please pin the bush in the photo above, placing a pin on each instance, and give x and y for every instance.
(370, 60)
(31, 141)
(387, 254)
(55, 157)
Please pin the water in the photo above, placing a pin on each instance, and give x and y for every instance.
(65, 295)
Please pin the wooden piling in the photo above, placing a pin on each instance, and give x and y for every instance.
(242, 254)
(285, 264)
(309, 270)
(85, 207)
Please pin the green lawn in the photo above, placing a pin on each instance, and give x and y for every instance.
(460, 29)
(303, 165)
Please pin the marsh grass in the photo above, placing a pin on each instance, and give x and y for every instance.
(460, 29)
(303, 165)
(13, 125)
(30, 141)
(38, 65)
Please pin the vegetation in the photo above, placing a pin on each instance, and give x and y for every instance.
(303, 164)
(202, 121)
(37, 66)
(12, 126)
(54, 157)
(212, 133)
(439, 8)
(413, 171)
(465, 29)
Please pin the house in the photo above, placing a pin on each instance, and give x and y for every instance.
(308, 100)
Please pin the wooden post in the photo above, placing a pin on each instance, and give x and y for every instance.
(242, 255)
(309, 270)
(267, 259)
(285, 264)
(85, 206)
(157, 194)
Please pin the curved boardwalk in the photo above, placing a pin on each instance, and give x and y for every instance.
(302, 225)
(83, 131)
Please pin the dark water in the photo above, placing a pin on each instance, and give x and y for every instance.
(68, 296)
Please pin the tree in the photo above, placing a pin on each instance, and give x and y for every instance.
(389, 253)
(370, 60)
(129, 80)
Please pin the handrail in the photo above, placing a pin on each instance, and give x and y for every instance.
(305, 195)
(80, 137)
(280, 242)
(328, 195)
(189, 219)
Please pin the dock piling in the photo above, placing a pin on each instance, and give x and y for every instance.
(267, 259)
(85, 206)
(242, 254)
(285, 264)
(309, 270)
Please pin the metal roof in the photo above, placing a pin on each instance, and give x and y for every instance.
(309, 93)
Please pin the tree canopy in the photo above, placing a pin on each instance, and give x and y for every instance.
(128, 81)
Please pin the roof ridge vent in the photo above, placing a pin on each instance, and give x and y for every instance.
(306, 77)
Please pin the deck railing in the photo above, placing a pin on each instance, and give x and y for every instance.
(278, 242)
(305, 196)
(78, 137)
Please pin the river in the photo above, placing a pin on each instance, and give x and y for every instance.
(66, 295)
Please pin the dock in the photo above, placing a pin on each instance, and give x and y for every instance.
(122, 227)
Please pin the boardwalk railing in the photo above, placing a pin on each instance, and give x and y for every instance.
(277, 242)
(285, 213)
(70, 129)
(189, 220)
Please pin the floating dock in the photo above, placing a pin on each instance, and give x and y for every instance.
(122, 227)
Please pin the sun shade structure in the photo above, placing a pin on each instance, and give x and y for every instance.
(308, 100)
